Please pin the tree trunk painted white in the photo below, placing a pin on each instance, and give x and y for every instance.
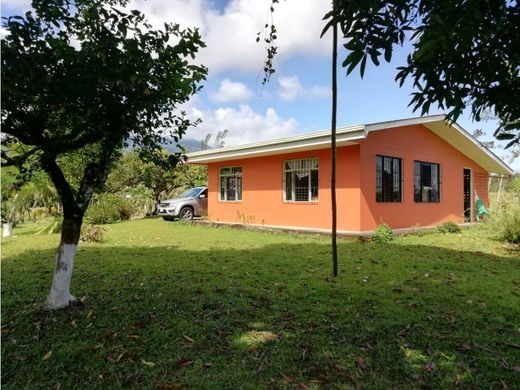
(60, 295)
(7, 229)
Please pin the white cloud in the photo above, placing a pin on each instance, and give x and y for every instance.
(230, 34)
(290, 88)
(243, 123)
(231, 92)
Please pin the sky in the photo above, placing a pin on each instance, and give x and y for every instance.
(297, 99)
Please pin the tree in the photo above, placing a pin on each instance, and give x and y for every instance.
(219, 140)
(269, 70)
(91, 77)
(465, 53)
(130, 172)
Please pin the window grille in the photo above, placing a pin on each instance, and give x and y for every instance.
(231, 183)
(426, 182)
(388, 179)
(301, 180)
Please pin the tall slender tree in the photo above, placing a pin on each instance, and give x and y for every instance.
(333, 146)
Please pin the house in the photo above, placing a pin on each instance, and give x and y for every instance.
(407, 173)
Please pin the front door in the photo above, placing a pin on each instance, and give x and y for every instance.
(467, 195)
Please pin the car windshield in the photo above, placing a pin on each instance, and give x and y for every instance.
(191, 193)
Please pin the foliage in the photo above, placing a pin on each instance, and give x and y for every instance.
(183, 306)
(383, 234)
(52, 227)
(107, 208)
(504, 220)
(219, 140)
(38, 212)
(448, 227)
(91, 233)
(138, 202)
(464, 53)
(81, 79)
(130, 173)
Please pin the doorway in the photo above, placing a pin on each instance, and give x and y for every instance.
(467, 195)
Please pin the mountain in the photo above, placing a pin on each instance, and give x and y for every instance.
(190, 144)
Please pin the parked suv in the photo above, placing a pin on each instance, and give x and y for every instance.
(192, 203)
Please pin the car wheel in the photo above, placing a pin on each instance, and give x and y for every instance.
(186, 214)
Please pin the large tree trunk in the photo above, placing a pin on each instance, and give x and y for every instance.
(60, 295)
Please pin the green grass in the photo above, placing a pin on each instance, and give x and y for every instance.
(170, 305)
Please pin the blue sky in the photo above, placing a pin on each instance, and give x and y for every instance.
(297, 99)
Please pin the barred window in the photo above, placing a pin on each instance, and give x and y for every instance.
(426, 182)
(388, 179)
(301, 180)
(231, 183)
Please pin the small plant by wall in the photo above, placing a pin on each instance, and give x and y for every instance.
(247, 219)
(383, 233)
(448, 227)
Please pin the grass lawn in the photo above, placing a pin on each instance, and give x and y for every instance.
(170, 305)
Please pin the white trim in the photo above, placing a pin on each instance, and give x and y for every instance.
(483, 148)
(351, 135)
(315, 230)
(235, 176)
(312, 141)
(293, 187)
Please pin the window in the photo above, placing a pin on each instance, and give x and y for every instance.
(231, 183)
(388, 179)
(426, 182)
(301, 180)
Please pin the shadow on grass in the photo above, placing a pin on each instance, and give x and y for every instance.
(269, 317)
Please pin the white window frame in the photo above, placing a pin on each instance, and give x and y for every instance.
(234, 172)
(301, 161)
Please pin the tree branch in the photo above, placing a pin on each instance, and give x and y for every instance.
(18, 159)
(62, 185)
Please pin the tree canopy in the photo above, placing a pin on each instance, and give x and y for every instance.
(91, 76)
(86, 74)
(464, 53)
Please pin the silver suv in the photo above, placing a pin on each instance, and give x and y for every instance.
(192, 203)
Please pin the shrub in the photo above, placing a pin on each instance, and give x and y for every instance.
(91, 233)
(54, 226)
(138, 202)
(448, 227)
(106, 209)
(383, 233)
(504, 221)
(38, 212)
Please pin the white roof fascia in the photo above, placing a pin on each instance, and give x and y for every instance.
(320, 140)
(432, 123)
(348, 135)
(404, 122)
(505, 169)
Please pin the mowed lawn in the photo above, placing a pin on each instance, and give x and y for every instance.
(171, 305)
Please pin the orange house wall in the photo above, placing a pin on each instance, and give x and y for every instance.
(416, 143)
(262, 192)
(262, 185)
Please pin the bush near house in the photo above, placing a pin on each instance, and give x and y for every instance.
(383, 234)
(448, 227)
(505, 218)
